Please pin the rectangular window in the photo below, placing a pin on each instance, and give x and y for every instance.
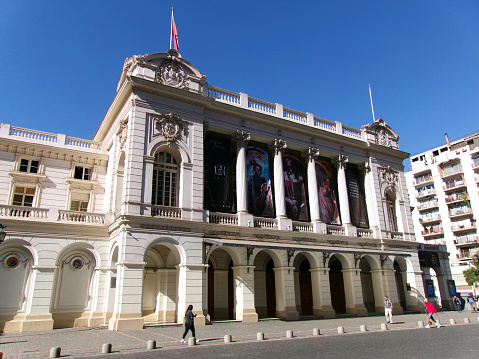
(82, 173)
(23, 196)
(79, 202)
(29, 166)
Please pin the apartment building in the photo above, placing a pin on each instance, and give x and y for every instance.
(443, 189)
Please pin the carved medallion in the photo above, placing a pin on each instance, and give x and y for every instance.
(169, 126)
(389, 175)
(172, 74)
(382, 136)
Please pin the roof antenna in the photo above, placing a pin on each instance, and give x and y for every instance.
(372, 107)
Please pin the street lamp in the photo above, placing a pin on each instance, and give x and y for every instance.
(2, 233)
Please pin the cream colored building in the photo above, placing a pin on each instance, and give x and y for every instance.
(443, 187)
(191, 194)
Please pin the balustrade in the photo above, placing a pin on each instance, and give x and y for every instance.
(223, 218)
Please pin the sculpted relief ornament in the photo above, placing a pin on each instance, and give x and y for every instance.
(389, 175)
(171, 127)
(172, 74)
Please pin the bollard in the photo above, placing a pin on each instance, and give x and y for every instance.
(106, 349)
(316, 331)
(55, 352)
(289, 334)
(420, 324)
(384, 326)
(452, 321)
(260, 336)
(363, 328)
(191, 341)
(151, 344)
(340, 330)
(228, 338)
(467, 320)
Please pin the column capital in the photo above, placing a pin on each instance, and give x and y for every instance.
(341, 161)
(242, 137)
(311, 153)
(278, 145)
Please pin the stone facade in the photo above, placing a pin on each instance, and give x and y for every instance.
(133, 226)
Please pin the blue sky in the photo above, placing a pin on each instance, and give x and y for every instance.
(61, 60)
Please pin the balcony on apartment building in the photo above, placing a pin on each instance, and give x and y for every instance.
(450, 171)
(454, 184)
(464, 242)
(454, 198)
(423, 181)
(432, 232)
(421, 207)
(463, 227)
(424, 220)
(461, 212)
(426, 192)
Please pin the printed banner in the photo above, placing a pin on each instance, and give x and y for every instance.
(260, 194)
(356, 197)
(327, 190)
(218, 175)
(295, 194)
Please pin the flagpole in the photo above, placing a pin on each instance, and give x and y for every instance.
(171, 26)
(372, 107)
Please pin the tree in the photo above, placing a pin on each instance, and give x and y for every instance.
(471, 275)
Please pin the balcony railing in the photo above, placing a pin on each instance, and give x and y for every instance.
(451, 173)
(165, 212)
(432, 232)
(260, 222)
(303, 227)
(460, 212)
(426, 192)
(223, 218)
(463, 227)
(335, 230)
(23, 212)
(430, 219)
(427, 205)
(50, 215)
(83, 217)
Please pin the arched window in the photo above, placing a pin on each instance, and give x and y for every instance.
(391, 208)
(165, 180)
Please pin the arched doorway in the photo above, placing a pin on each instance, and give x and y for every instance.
(264, 285)
(400, 285)
(367, 285)
(336, 284)
(160, 284)
(220, 286)
(305, 287)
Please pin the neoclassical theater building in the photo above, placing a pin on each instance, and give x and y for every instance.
(191, 194)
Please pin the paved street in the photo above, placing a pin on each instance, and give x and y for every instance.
(87, 342)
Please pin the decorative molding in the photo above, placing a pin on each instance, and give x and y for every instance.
(389, 175)
(171, 127)
(172, 74)
(122, 132)
(341, 161)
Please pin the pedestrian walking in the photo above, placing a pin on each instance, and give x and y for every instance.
(430, 310)
(388, 309)
(457, 303)
(471, 301)
(189, 324)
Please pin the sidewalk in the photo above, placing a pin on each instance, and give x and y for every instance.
(84, 342)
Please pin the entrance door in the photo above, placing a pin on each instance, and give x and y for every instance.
(270, 290)
(336, 284)
(305, 287)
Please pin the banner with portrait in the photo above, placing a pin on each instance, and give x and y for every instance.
(260, 194)
(295, 193)
(356, 197)
(218, 175)
(327, 192)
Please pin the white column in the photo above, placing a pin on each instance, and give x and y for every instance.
(148, 162)
(279, 190)
(390, 289)
(343, 192)
(369, 192)
(242, 137)
(318, 226)
(193, 284)
(244, 297)
(285, 298)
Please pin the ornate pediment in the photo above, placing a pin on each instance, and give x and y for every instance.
(27, 178)
(389, 175)
(380, 133)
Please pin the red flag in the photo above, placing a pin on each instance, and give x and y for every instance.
(174, 32)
